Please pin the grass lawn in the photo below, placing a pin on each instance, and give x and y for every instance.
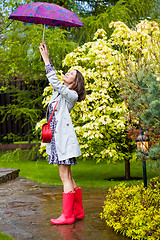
(5, 237)
(85, 173)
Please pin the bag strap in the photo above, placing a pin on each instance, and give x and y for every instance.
(52, 112)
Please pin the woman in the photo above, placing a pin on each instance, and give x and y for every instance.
(64, 147)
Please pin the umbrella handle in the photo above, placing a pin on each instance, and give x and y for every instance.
(43, 33)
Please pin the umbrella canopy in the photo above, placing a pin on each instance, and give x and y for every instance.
(46, 13)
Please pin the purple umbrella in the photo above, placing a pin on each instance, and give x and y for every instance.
(46, 13)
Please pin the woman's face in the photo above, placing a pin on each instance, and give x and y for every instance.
(69, 78)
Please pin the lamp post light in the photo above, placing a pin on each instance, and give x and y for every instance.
(142, 142)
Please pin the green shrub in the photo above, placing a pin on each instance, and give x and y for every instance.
(134, 211)
(5, 237)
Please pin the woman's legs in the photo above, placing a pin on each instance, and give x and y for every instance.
(66, 177)
(70, 185)
(72, 198)
(67, 216)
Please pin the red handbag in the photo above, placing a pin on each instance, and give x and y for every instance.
(46, 129)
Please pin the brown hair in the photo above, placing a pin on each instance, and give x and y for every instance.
(79, 86)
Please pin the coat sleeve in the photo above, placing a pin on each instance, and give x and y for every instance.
(69, 95)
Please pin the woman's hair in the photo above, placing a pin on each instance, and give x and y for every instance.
(79, 86)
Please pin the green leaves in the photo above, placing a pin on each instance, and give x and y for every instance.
(134, 211)
(130, 12)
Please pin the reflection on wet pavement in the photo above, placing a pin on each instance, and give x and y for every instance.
(26, 208)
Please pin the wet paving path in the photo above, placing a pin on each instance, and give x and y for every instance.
(26, 208)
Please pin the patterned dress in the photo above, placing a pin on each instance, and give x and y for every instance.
(53, 158)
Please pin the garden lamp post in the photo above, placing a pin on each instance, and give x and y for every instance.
(142, 142)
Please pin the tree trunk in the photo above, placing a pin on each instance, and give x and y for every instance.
(127, 169)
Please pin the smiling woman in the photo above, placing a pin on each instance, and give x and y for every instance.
(69, 77)
(64, 147)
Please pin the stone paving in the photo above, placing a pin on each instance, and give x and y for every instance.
(26, 208)
(7, 174)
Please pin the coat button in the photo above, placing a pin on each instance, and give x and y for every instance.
(55, 131)
(67, 124)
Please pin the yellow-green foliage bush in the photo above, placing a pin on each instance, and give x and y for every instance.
(134, 211)
(107, 65)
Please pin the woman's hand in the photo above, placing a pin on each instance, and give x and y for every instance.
(44, 53)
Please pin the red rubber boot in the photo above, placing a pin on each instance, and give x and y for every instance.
(67, 216)
(78, 205)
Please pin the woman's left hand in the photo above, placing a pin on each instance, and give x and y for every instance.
(44, 53)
